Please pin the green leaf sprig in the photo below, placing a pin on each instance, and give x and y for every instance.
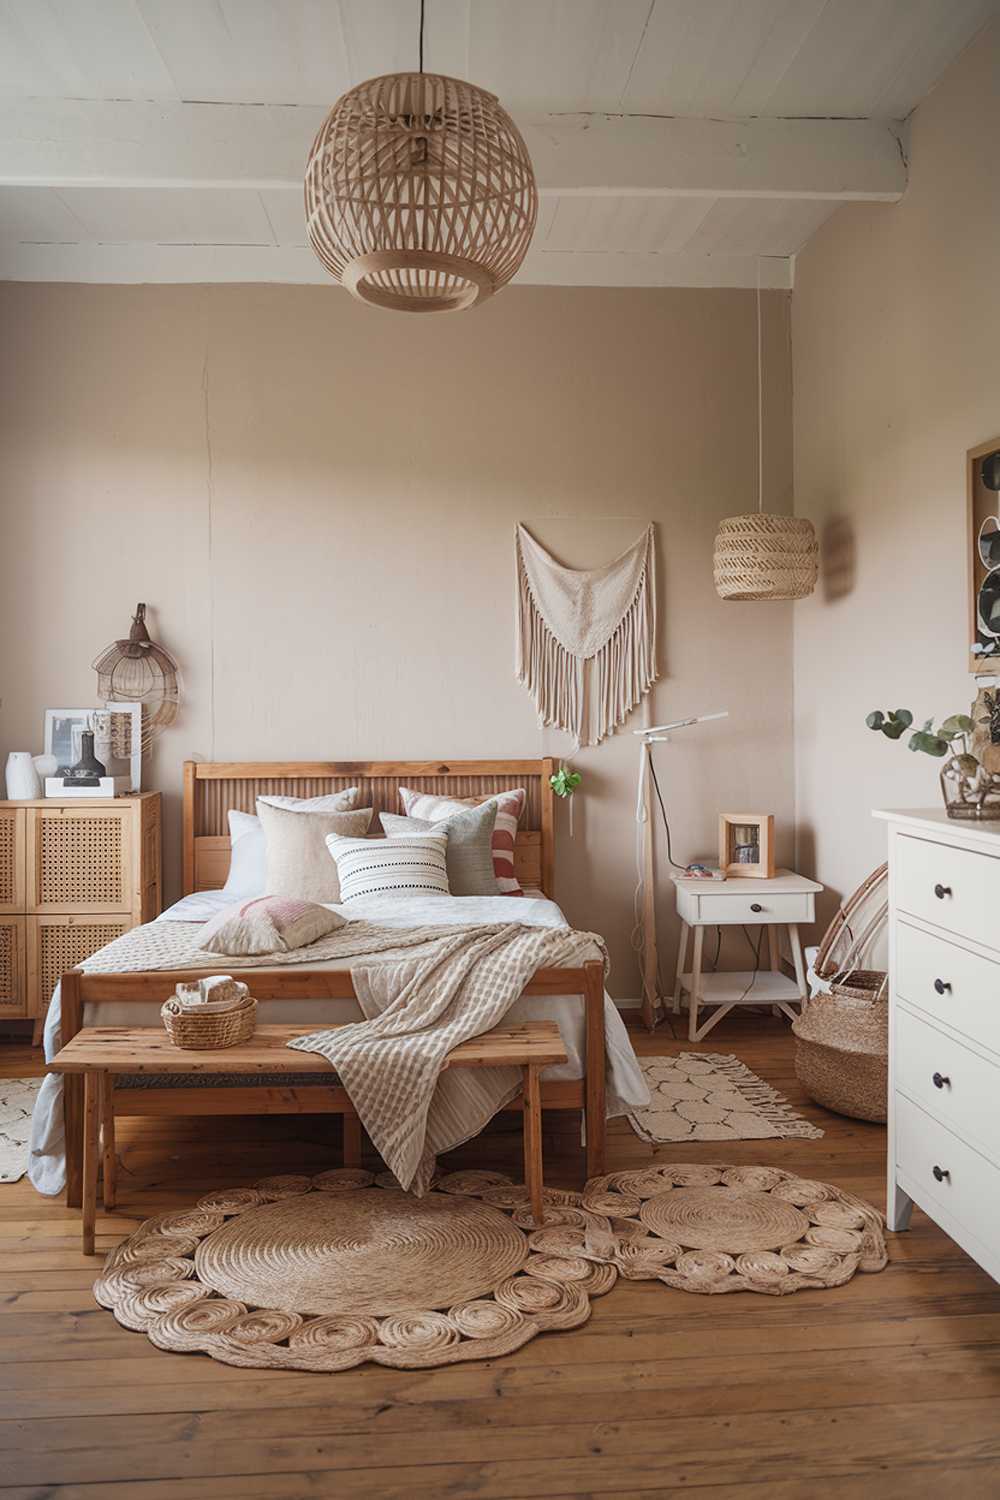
(565, 781)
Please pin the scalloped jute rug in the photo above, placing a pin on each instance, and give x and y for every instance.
(712, 1096)
(327, 1272)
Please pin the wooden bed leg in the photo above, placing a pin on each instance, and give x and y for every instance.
(595, 1108)
(109, 1157)
(352, 1140)
(71, 1021)
(92, 1111)
(533, 1170)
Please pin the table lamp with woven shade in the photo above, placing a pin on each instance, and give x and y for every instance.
(759, 555)
(420, 195)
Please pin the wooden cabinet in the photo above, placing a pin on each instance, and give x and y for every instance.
(73, 875)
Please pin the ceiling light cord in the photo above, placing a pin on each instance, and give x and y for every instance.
(760, 404)
(421, 46)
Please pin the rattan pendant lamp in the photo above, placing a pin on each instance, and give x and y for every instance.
(420, 195)
(760, 555)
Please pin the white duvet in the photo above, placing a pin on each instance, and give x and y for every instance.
(625, 1085)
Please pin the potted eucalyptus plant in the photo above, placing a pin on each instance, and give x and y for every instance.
(968, 788)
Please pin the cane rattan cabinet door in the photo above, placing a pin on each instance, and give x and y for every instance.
(56, 944)
(12, 859)
(13, 971)
(80, 859)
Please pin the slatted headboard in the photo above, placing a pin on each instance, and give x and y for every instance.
(211, 788)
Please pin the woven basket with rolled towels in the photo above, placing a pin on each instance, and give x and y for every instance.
(215, 1012)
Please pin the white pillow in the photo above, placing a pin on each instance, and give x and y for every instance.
(408, 866)
(247, 863)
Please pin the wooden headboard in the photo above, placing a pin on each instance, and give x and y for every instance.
(211, 788)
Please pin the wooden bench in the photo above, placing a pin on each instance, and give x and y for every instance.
(104, 1053)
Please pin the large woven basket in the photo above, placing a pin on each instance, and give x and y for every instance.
(842, 1046)
(205, 1033)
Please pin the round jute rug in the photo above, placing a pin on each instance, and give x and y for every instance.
(326, 1272)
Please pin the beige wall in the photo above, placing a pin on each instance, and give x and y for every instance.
(317, 501)
(896, 333)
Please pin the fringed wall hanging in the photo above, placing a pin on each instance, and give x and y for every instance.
(586, 638)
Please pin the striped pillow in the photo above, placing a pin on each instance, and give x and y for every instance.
(390, 867)
(510, 806)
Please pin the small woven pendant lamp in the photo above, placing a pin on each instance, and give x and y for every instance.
(760, 555)
(140, 671)
(420, 195)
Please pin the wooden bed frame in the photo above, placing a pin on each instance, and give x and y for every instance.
(210, 790)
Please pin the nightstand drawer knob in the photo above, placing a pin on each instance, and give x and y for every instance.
(942, 986)
(941, 891)
(756, 906)
(940, 1080)
(940, 1173)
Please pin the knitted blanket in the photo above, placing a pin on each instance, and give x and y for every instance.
(418, 1010)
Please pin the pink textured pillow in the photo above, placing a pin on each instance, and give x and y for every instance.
(268, 924)
(510, 806)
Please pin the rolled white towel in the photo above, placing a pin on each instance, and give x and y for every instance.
(212, 996)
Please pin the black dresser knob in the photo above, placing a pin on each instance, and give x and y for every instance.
(942, 986)
(940, 1173)
(756, 906)
(939, 1080)
(941, 891)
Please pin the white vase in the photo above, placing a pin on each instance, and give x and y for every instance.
(22, 778)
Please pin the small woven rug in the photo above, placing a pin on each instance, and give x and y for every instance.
(327, 1272)
(17, 1100)
(712, 1096)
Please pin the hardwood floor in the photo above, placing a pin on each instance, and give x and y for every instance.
(887, 1387)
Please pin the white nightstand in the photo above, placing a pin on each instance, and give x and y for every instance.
(785, 901)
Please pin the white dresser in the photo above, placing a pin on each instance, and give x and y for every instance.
(944, 1027)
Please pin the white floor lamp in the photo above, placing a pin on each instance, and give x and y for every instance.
(645, 895)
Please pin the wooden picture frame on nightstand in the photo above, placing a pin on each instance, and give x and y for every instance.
(746, 845)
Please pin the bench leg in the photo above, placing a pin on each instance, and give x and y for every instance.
(595, 1098)
(352, 1140)
(73, 1115)
(91, 1123)
(533, 1169)
(110, 1159)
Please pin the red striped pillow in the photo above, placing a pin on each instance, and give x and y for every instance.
(510, 806)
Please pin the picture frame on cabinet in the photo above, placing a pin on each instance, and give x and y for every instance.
(63, 730)
(118, 740)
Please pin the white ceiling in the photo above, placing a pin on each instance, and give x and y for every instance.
(134, 144)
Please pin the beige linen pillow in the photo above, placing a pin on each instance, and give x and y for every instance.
(296, 861)
(269, 924)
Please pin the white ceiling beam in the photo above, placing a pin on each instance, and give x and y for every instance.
(78, 142)
(139, 263)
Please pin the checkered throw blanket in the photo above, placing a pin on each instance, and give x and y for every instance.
(419, 1009)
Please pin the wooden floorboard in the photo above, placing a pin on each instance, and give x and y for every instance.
(889, 1386)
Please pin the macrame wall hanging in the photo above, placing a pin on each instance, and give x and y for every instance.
(586, 638)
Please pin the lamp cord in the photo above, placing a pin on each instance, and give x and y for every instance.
(760, 402)
(421, 47)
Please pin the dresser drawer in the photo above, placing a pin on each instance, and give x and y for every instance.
(715, 906)
(957, 889)
(958, 1087)
(949, 983)
(969, 1188)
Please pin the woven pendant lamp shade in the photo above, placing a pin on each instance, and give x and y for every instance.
(761, 556)
(420, 194)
